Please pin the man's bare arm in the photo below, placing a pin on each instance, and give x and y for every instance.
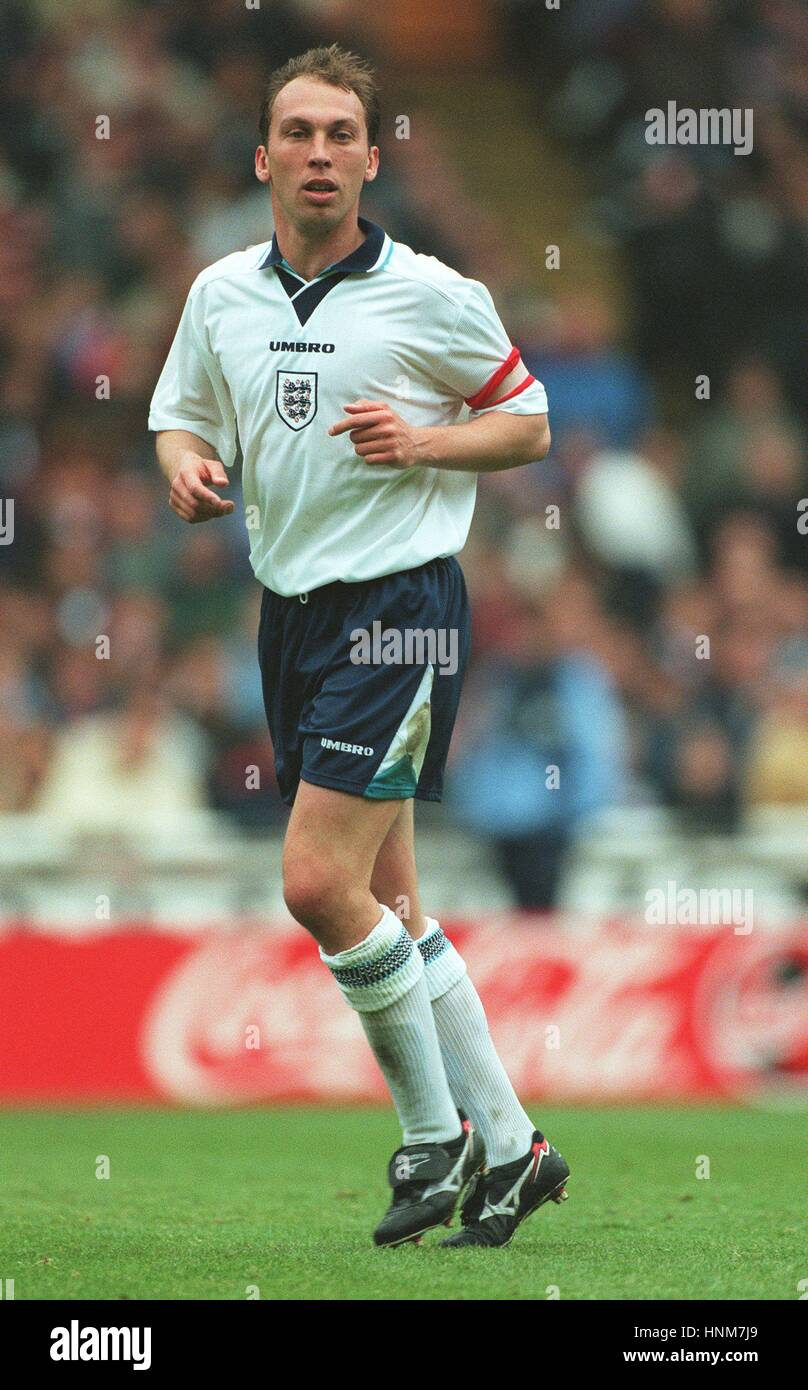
(189, 463)
(488, 444)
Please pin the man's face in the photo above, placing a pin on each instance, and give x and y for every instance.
(318, 136)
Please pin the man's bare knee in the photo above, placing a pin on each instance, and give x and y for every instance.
(308, 891)
(318, 893)
(330, 849)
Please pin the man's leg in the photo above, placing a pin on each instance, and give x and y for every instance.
(479, 1083)
(331, 845)
(394, 880)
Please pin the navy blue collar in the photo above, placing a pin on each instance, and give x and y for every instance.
(363, 258)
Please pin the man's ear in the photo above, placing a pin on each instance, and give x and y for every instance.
(370, 174)
(264, 176)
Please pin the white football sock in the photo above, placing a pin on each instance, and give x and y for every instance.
(479, 1083)
(383, 979)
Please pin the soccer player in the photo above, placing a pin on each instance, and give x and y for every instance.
(341, 360)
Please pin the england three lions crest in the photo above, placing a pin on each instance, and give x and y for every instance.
(296, 398)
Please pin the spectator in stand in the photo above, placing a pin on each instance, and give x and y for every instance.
(594, 384)
(774, 483)
(126, 769)
(751, 403)
(778, 757)
(631, 518)
(548, 751)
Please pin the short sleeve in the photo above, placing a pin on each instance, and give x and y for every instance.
(480, 357)
(191, 393)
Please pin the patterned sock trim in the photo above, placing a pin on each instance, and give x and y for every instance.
(444, 965)
(380, 969)
(432, 944)
(374, 971)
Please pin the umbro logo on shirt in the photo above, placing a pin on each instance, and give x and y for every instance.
(281, 345)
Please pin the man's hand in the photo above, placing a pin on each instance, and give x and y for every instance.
(488, 443)
(190, 498)
(379, 435)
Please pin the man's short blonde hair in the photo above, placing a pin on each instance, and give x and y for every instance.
(336, 66)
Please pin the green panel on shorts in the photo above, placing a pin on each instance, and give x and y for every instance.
(401, 765)
(394, 783)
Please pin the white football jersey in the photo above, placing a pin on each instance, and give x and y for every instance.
(265, 358)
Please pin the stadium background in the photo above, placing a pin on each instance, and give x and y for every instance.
(145, 951)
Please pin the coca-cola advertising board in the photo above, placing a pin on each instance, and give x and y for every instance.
(621, 1012)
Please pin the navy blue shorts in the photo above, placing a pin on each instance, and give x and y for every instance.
(362, 681)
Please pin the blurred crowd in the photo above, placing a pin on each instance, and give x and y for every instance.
(640, 599)
(657, 652)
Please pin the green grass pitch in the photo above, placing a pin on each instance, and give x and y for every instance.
(204, 1205)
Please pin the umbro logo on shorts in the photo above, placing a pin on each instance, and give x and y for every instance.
(346, 747)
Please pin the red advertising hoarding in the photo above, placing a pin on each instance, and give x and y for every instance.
(620, 1013)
